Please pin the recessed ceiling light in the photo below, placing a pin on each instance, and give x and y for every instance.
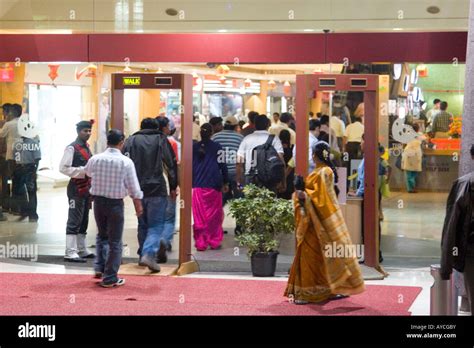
(308, 30)
(171, 11)
(222, 30)
(433, 9)
(397, 29)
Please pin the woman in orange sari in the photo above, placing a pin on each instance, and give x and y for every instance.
(325, 265)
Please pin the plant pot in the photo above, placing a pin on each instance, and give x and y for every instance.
(264, 264)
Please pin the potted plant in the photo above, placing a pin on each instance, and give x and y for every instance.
(262, 218)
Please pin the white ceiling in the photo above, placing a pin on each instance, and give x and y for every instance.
(232, 16)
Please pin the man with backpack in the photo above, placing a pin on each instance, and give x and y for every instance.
(262, 154)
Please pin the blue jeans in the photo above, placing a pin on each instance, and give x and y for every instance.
(170, 220)
(411, 180)
(109, 218)
(151, 225)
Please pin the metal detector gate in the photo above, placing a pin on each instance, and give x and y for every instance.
(183, 82)
(306, 87)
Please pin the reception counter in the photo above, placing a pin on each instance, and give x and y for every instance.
(439, 170)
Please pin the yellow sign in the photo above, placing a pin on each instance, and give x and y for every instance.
(131, 81)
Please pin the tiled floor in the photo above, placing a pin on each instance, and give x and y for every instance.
(410, 232)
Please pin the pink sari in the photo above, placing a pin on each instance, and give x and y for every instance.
(208, 218)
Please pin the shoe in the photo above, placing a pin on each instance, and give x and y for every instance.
(119, 282)
(98, 275)
(380, 257)
(225, 232)
(161, 257)
(300, 302)
(75, 259)
(81, 246)
(150, 263)
(22, 218)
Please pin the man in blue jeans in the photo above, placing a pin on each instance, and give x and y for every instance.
(156, 167)
(113, 177)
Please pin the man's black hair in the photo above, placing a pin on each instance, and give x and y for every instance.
(285, 117)
(114, 137)
(313, 124)
(325, 120)
(251, 116)
(149, 123)
(261, 122)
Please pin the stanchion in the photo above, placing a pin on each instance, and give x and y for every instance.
(444, 294)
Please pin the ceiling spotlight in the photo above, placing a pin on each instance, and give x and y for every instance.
(171, 11)
(222, 30)
(433, 10)
(159, 71)
(308, 30)
(127, 69)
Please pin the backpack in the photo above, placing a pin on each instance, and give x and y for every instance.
(268, 168)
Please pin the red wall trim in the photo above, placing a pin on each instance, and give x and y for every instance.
(397, 47)
(44, 48)
(247, 48)
(222, 48)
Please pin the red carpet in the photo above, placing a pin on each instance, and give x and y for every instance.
(54, 294)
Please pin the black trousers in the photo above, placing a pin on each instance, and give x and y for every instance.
(469, 280)
(78, 214)
(25, 190)
(4, 187)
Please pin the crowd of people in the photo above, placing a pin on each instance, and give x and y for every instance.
(227, 155)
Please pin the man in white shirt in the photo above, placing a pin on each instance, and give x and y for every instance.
(285, 120)
(433, 112)
(339, 128)
(113, 178)
(314, 132)
(196, 129)
(76, 155)
(245, 151)
(353, 138)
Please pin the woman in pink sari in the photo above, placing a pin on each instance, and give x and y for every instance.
(209, 180)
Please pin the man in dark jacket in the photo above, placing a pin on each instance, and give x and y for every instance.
(457, 243)
(155, 163)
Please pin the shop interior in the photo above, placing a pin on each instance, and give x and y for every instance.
(57, 95)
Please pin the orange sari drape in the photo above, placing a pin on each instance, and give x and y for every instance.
(318, 271)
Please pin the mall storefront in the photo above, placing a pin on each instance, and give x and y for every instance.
(56, 95)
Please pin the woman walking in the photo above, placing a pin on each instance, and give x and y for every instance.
(319, 272)
(412, 160)
(209, 180)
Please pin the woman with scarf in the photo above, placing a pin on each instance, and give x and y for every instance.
(325, 265)
(210, 178)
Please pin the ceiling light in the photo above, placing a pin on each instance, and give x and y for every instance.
(222, 30)
(433, 9)
(397, 29)
(308, 30)
(171, 11)
(127, 69)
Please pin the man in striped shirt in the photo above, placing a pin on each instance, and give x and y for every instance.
(441, 121)
(113, 177)
(230, 141)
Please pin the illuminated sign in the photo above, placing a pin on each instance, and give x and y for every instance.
(163, 81)
(358, 82)
(327, 82)
(131, 81)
